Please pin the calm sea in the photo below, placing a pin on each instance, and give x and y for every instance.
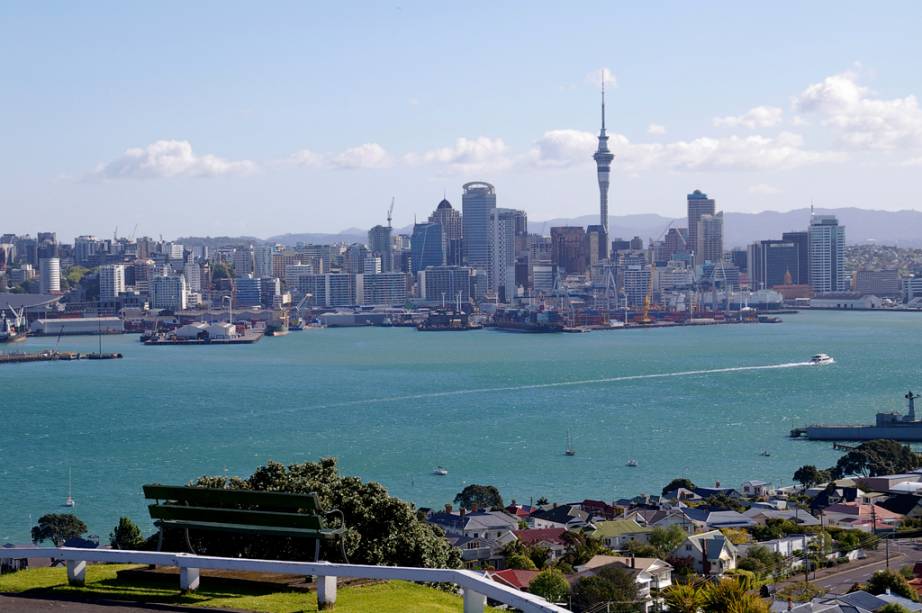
(491, 407)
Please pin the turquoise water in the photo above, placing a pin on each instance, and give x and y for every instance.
(492, 407)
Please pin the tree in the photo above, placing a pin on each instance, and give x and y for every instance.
(732, 595)
(677, 483)
(809, 475)
(724, 502)
(683, 598)
(581, 548)
(484, 496)
(737, 536)
(221, 270)
(126, 535)
(380, 529)
(892, 607)
(762, 561)
(540, 502)
(883, 580)
(57, 528)
(550, 584)
(666, 540)
(612, 584)
(877, 457)
(520, 561)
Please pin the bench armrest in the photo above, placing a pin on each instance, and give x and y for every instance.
(342, 518)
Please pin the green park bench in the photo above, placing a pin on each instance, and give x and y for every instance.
(242, 512)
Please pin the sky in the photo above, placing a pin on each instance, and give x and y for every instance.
(231, 118)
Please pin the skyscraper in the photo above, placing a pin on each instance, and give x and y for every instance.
(603, 159)
(478, 202)
(568, 245)
(111, 281)
(427, 246)
(503, 223)
(710, 240)
(49, 275)
(450, 220)
(380, 243)
(827, 254)
(698, 204)
(801, 240)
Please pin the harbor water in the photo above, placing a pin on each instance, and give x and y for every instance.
(392, 404)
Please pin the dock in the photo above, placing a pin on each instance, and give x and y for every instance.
(55, 356)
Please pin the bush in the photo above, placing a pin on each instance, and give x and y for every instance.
(550, 584)
(126, 535)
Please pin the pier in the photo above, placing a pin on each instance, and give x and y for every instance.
(55, 356)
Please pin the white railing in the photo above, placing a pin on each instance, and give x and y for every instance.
(475, 587)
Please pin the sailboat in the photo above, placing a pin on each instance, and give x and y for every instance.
(569, 450)
(69, 502)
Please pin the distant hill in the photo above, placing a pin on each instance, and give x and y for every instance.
(740, 229)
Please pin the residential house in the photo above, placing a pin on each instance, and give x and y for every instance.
(618, 533)
(786, 546)
(710, 553)
(756, 489)
(662, 518)
(761, 515)
(481, 535)
(551, 539)
(707, 492)
(908, 505)
(856, 515)
(514, 578)
(563, 516)
(652, 575)
(705, 519)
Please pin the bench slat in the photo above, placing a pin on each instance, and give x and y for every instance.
(324, 533)
(235, 516)
(218, 497)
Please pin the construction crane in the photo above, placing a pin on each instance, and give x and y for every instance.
(390, 212)
(648, 297)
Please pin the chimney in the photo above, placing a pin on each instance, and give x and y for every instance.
(448, 508)
(473, 507)
(633, 561)
(462, 511)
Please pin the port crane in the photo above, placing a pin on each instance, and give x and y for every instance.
(390, 211)
(648, 297)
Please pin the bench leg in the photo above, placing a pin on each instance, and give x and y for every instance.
(326, 592)
(316, 550)
(188, 579)
(189, 543)
(76, 572)
(474, 602)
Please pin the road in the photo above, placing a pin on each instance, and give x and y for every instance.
(17, 604)
(838, 580)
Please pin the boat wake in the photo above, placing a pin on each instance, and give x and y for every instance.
(578, 382)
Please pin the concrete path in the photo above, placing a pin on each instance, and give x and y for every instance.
(20, 604)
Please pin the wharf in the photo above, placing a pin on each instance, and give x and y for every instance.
(244, 339)
(55, 356)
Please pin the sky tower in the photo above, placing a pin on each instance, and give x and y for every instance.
(603, 158)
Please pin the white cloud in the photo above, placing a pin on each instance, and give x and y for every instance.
(764, 189)
(306, 157)
(466, 155)
(562, 148)
(169, 158)
(600, 75)
(656, 129)
(860, 119)
(758, 117)
(369, 155)
(912, 162)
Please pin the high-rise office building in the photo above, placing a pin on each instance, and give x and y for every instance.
(262, 260)
(381, 244)
(503, 225)
(386, 288)
(49, 275)
(111, 281)
(168, 292)
(826, 240)
(709, 246)
(770, 262)
(802, 241)
(354, 258)
(446, 283)
(450, 220)
(596, 244)
(243, 262)
(603, 159)
(478, 202)
(192, 271)
(698, 204)
(427, 247)
(568, 244)
(249, 291)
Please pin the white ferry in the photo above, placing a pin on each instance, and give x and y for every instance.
(821, 358)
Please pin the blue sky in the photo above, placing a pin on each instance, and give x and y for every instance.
(228, 118)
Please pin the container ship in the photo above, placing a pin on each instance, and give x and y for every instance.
(443, 320)
(528, 320)
(894, 426)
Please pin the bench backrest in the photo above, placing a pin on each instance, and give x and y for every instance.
(217, 505)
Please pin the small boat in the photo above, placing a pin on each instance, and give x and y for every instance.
(765, 454)
(632, 463)
(569, 451)
(441, 471)
(69, 502)
(821, 358)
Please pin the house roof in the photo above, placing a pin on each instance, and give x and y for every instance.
(797, 515)
(712, 543)
(640, 564)
(619, 527)
(513, 577)
(901, 503)
(532, 536)
(563, 514)
(718, 518)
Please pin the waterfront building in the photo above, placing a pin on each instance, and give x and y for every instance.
(878, 282)
(111, 281)
(826, 239)
(331, 289)
(437, 283)
(168, 292)
(636, 281)
(603, 159)
(596, 248)
(710, 242)
(543, 277)
(568, 244)
(675, 275)
(243, 262)
(770, 260)
(698, 205)
(293, 272)
(912, 288)
(49, 271)
(504, 224)
(249, 291)
(802, 241)
(262, 260)
(381, 244)
(386, 288)
(450, 220)
(478, 202)
(192, 271)
(427, 246)
(270, 289)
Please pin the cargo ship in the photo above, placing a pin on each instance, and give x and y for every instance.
(278, 325)
(443, 320)
(528, 320)
(894, 426)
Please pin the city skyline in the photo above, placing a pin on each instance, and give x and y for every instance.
(232, 131)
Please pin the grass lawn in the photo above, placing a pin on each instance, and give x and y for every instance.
(391, 597)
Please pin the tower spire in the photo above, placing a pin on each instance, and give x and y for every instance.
(603, 101)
